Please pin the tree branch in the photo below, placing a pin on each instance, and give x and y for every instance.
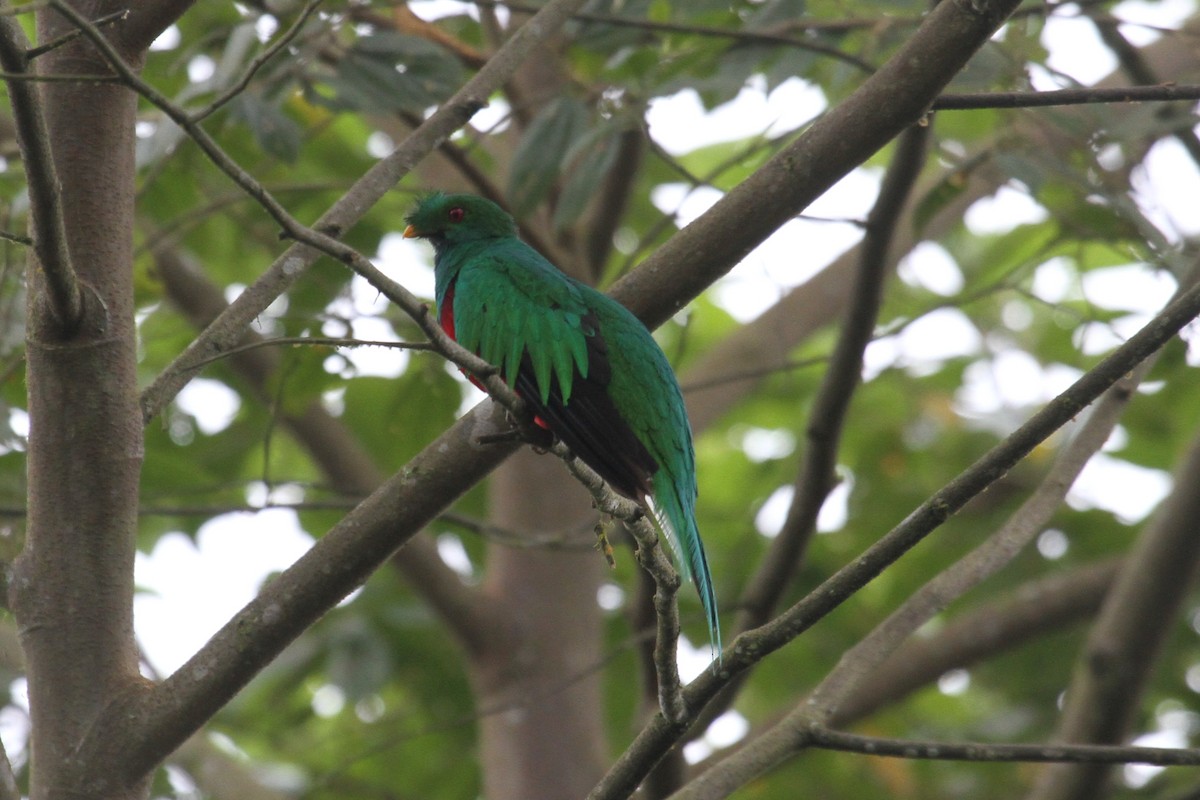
(229, 327)
(48, 228)
(147, 21)
(1031, 610)
(59, 41)
(893, 98)
(1066, 97)
(973, 751)
(816, 476)
(259, 61)
(162, 719)
(985, 560)
(742, 36)
(1138, 615)
(660, 734)
(339, 455)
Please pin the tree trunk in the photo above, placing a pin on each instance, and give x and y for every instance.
(72, 587)
(542, 730)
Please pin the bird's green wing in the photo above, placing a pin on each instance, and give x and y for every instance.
(511, 307)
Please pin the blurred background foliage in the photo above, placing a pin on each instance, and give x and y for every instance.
(374, 701)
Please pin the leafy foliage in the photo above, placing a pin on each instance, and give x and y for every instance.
(379, 699)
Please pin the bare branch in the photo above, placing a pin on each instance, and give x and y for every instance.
(340, 561)
(660, 734)
(314, 341)
(259, 61)
(58, 77)
(49, 231)
(893, 98)
(229, 327)
(816, 475)
(59, 41)
(1034, 608)
(1139, 614)
(984, 561)
(973, 751)
(1066, 97)
(147, 21)
(744, 36)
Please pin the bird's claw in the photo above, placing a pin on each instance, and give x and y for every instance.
(603, 545)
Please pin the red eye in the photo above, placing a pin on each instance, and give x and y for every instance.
(456, 214)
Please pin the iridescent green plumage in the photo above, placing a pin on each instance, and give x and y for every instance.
(589, 368)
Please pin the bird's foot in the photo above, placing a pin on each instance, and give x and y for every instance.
(603, 545)
(538, 438)
(503, 437)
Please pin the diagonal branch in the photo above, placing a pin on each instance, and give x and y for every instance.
(816, 476)
(281, 42)
(986, 559)
(1033, 609)
(155, 722)
(896, 96)
(229, 327)
(660, 734)
(147, 21)
(1123, 647)
(49, 231)
(974, 751)
(340, 456)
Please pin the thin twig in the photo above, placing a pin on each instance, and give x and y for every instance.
(314, 341)
(322, 242)
(827, 739)
(1066, 97)
(1135, 65)
(651, 558)
(58, 77)
(659, 734)
(740, 36)
(229, 326)
(16, 238)
(49, 230)
(259, 61)
(59, 41)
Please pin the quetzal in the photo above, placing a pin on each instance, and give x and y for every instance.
(590, 370)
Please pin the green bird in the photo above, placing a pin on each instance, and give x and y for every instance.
(588, 367)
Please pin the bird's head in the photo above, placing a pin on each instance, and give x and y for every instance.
(447, 219)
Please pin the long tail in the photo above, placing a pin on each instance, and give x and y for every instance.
(676, 520)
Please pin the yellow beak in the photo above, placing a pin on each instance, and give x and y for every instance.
(410, 232)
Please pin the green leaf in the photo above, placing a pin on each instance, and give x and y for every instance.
(539, 158)
(586, 174)
(274, 131)
(393, 72)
